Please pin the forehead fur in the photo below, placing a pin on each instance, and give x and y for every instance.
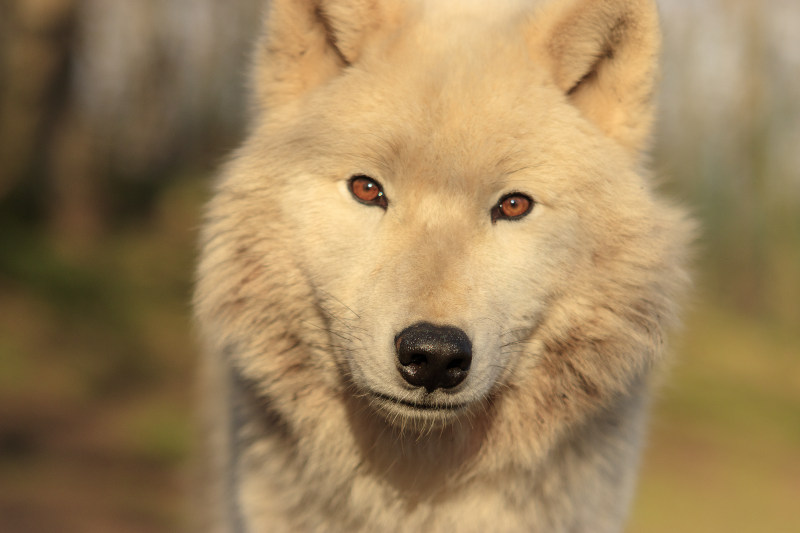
(475, 107)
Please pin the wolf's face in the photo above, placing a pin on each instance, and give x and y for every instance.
(438, 205)
(441, 205)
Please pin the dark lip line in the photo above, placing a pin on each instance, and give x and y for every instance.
(420, 406)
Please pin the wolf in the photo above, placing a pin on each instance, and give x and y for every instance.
(436, 279)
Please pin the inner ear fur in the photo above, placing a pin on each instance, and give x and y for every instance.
(306, 42)
(603, 54)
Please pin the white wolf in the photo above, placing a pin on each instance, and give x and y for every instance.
(436, 278)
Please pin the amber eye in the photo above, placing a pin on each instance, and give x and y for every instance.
(512, 206)
(368, 191)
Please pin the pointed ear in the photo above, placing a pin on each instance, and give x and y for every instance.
(603, 54)
(306, 42)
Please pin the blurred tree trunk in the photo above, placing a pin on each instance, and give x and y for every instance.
(752, 158)
(42, 143)
(104, 102)
(35, 48)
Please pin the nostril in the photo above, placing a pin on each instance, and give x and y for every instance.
(418, 359)
(462, 364)
(416, 364)
(433, 356)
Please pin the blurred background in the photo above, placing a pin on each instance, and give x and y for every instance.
(114, 115)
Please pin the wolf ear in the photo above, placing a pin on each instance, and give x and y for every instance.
(306, 42)
(603, 54)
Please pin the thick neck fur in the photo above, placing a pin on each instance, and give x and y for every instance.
(427, 478)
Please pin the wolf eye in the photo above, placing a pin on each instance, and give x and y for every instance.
(368, 191)
(512, 207)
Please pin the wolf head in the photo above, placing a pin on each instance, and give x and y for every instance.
(441, 206)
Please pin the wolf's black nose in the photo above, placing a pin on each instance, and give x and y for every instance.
(434, 357)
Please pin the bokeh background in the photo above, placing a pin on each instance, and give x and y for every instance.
(113, 116)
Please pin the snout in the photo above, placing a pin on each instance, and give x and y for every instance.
(433, 357)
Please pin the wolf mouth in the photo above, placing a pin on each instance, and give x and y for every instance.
(385, 399)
